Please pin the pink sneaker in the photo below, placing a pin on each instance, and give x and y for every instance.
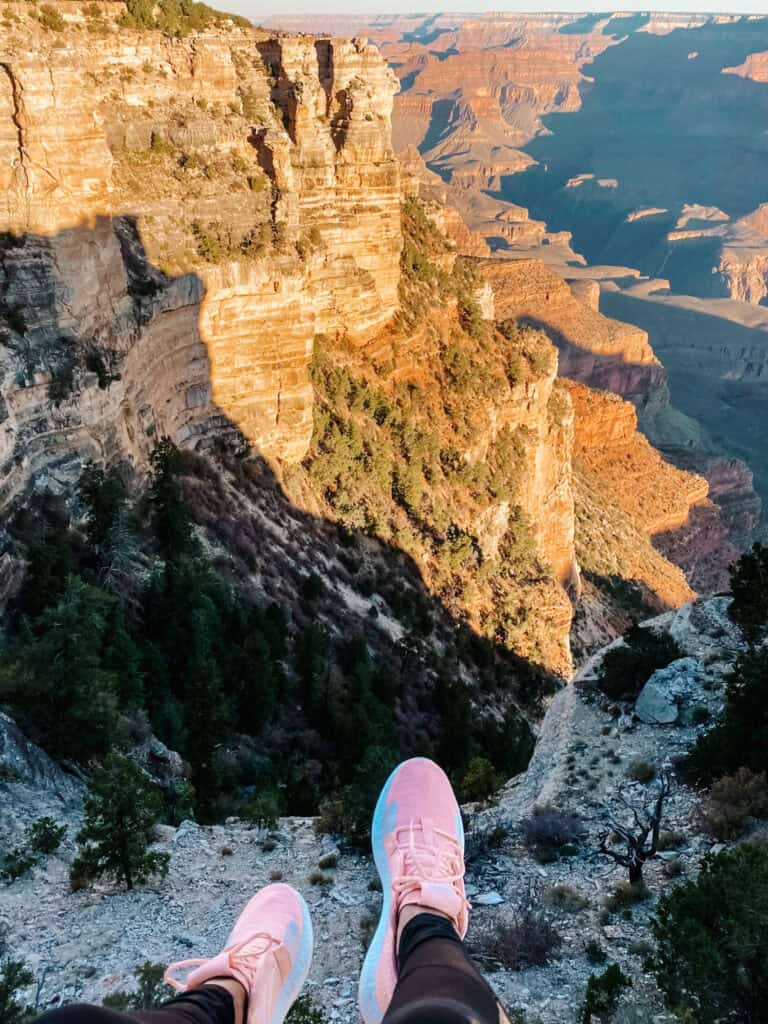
(268, 951)
(418, 847)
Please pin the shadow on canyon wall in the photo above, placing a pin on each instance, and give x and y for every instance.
(632, 380)
(717, 370)
(113, 406)
(684, 134)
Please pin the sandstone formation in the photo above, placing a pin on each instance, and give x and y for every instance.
(654, 494)
(754, 67)
(215, 204)
(418, 180)
(673, 508)
(597, 351)
(191, 213)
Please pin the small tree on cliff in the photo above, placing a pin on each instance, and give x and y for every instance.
(121, 812)
(749, 586)
(640, 837)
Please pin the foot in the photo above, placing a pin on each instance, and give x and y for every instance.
(418, 847)
(268, 952)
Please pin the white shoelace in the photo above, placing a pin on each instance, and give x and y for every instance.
(438, 863)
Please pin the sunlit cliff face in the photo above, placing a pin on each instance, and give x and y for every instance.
(259, 174)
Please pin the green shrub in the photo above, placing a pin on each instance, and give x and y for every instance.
(603, 993)
(548, 830)
(328, 861)
(565, 898)
(670, 840)
(481, 780)
(732, 800)
(471, 316)
(626, 669)
(749, 586)
(740, 738)
(57, 679)
(175, 17)
(17, 863)
(317, 877)
(14, 977)
(529, 940)
(641, 771)
(306, 1011)
(45, 836)
(121, 812)
(595, 953)
(712, 940)
(625, 895)
(151, 990)
(265, 810)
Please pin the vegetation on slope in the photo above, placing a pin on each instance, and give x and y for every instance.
(422, 444)
(176, 17)
(740, 739)
(712, 936)
(123, 625)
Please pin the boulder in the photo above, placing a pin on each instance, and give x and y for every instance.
(668, 688)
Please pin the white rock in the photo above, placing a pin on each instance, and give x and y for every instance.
(488, 899)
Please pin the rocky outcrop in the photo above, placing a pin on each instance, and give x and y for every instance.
(418, 180)
(754, 67)
(625, 493)
(603, 353)
(655, 494)
(745, 274)
(31, 786)
(187, 214)
(731, 486)
(671, 692)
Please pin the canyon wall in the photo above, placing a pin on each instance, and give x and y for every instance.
(186, 221)
(593, 349)
(183, 216)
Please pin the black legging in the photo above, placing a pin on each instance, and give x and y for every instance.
(436, 984)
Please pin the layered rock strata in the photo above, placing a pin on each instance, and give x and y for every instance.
(593, 349)
(183, 216)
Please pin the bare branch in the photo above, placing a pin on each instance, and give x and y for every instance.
(646, 822)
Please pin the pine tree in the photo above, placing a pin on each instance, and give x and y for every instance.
(55, 675)
(749, 586)
(103, 494)
(121, 812)
(171, 516)
(711, 960)
(14, 976)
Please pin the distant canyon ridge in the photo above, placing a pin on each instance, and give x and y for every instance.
(629, 153)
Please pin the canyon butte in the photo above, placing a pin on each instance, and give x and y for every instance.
(323, 388)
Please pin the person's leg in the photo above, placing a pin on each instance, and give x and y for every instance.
(437, 983)
(416, 968)
(256, 977)
(210, 1004)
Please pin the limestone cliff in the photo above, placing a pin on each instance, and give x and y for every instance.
(593, 349)
(671, 508)
(184, 216)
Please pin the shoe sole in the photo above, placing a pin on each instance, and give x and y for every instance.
(293, 984)
(366, 992)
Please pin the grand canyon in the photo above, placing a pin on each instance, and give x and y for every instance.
(369, 378)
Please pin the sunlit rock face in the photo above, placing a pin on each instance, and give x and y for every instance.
(190, 214)
(593, 349)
